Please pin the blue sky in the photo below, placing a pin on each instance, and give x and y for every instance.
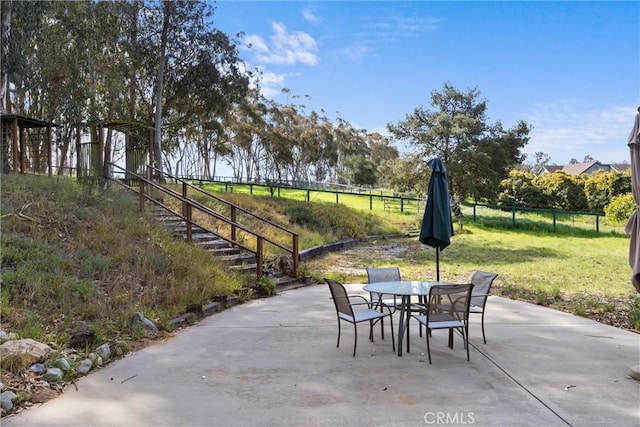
(569, 69)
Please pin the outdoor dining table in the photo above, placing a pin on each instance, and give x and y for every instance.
(404, 289)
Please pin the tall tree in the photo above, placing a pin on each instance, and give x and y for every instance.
(540, 160)
(5, 9)
(477, 155)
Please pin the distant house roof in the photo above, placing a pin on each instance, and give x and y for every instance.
(620, 167)
(585, 168)
(550, 169)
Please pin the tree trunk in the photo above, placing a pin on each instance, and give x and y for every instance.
(159, 87)
(6, 34)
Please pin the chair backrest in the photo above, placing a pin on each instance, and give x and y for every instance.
(340, 297)
(456, 299)
(482, 282)
(382, 274)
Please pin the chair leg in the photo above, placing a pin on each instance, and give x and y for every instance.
(466, 341)
(393, 340)
(355, 338)
(482, 323)
(338, 344)
(428, 348)
(408, 334)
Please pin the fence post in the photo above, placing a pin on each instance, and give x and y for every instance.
(259, 256)
(189, 225)
(251, 189)
(370, 202)
(597, 222)
(336, 197)
(401, 204)
(308, 195)
(295, 255)
(513, 216)
(141, 195)
(233, 220)
(184, 195)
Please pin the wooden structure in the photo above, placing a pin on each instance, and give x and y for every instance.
(92, 138)
(26, 144)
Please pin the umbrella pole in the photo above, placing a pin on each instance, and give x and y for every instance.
(437, 264)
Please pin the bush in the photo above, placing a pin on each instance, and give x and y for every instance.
(620, 208)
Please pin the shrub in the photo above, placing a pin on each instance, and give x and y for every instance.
(620, 208)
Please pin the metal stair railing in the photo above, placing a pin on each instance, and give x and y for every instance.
(293, 250)
(146, 184)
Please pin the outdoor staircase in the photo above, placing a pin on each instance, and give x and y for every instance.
(235, 258)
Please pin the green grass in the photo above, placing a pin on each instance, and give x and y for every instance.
(70, 255)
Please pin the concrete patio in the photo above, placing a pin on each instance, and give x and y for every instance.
(274, 362)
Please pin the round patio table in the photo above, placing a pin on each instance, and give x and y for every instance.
(404, 289)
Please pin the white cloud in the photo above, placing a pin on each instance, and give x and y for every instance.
(309, 15)
(271, 83)
(256, 42)
(566, 130)
(286, 48)
(358, 50)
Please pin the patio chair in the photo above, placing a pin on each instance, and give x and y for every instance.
(383, 274)
(388, 274)
(456, 299)
(482, 282)
(356, 312)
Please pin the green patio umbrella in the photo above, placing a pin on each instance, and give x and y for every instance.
(437, 226)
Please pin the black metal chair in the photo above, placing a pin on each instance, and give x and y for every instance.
(357, 312)
(447, 307)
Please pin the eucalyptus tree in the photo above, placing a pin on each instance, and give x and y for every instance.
(477, 155)
(198, 67)
(350, 141)
(382, 150)
(284, 124)
(244, 130)
(5, 22)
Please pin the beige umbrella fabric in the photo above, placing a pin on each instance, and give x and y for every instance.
(633, 225)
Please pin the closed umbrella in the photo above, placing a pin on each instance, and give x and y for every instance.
(437, 227)
(633, 225)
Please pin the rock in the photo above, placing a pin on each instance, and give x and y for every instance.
(63, 364)
(139, 321)
(84, 366)
(6, 399)
(95, 359)
(42, 395)
(38, 368)
(82, 335)
(54, 375)
(283, 263)
(104, 351)
(7, 336)
(19, 354)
